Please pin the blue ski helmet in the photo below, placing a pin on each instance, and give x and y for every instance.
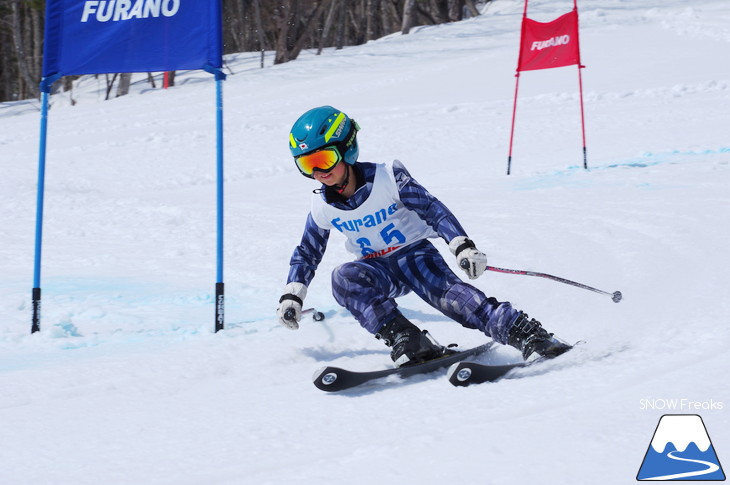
(322, 127)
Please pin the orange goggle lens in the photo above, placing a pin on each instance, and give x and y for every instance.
(323, 160)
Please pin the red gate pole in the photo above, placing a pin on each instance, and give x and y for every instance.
(512, 132)
(517, 86)
(582, 117)
(580, 88)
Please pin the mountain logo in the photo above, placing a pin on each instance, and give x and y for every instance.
(681, 450)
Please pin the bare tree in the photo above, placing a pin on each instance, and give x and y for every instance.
(26, 24)
(340, 25)
(109, 84)
(259, 30)
(472, 8)
(125, 80)
(409, 16)
(293, 26)
(373, 26)
(442, 11)
(327, 26)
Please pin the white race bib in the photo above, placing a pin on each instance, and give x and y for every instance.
(380, 226)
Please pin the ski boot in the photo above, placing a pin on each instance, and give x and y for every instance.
(528, 336)
(409, 344)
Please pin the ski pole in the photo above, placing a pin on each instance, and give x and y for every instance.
(616, 296)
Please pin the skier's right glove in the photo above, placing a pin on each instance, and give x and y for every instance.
(468, 257)
(290, 305)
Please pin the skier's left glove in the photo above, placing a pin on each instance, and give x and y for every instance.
(290, 305)
(468, 257)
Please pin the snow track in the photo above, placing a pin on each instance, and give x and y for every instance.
(127, 383)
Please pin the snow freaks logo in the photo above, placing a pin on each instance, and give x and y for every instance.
(680, 450)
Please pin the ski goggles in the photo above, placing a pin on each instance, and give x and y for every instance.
(322, 160)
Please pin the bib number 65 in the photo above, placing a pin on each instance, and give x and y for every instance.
(390, 235)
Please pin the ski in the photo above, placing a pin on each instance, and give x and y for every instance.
(333, 379)
(467, 373)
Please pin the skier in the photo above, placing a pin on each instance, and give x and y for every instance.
(387, 218)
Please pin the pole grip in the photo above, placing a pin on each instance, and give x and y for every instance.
(290, 315)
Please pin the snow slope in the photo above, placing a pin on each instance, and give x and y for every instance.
(127, 383)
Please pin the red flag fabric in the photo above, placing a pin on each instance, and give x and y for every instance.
(551, 44)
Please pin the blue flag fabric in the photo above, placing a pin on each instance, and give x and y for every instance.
(105, 36)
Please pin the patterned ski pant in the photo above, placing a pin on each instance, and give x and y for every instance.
(368, 288)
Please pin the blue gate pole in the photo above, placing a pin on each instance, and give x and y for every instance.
(36, 294)
(219, 286)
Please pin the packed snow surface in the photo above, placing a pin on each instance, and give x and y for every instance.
(127, 383)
